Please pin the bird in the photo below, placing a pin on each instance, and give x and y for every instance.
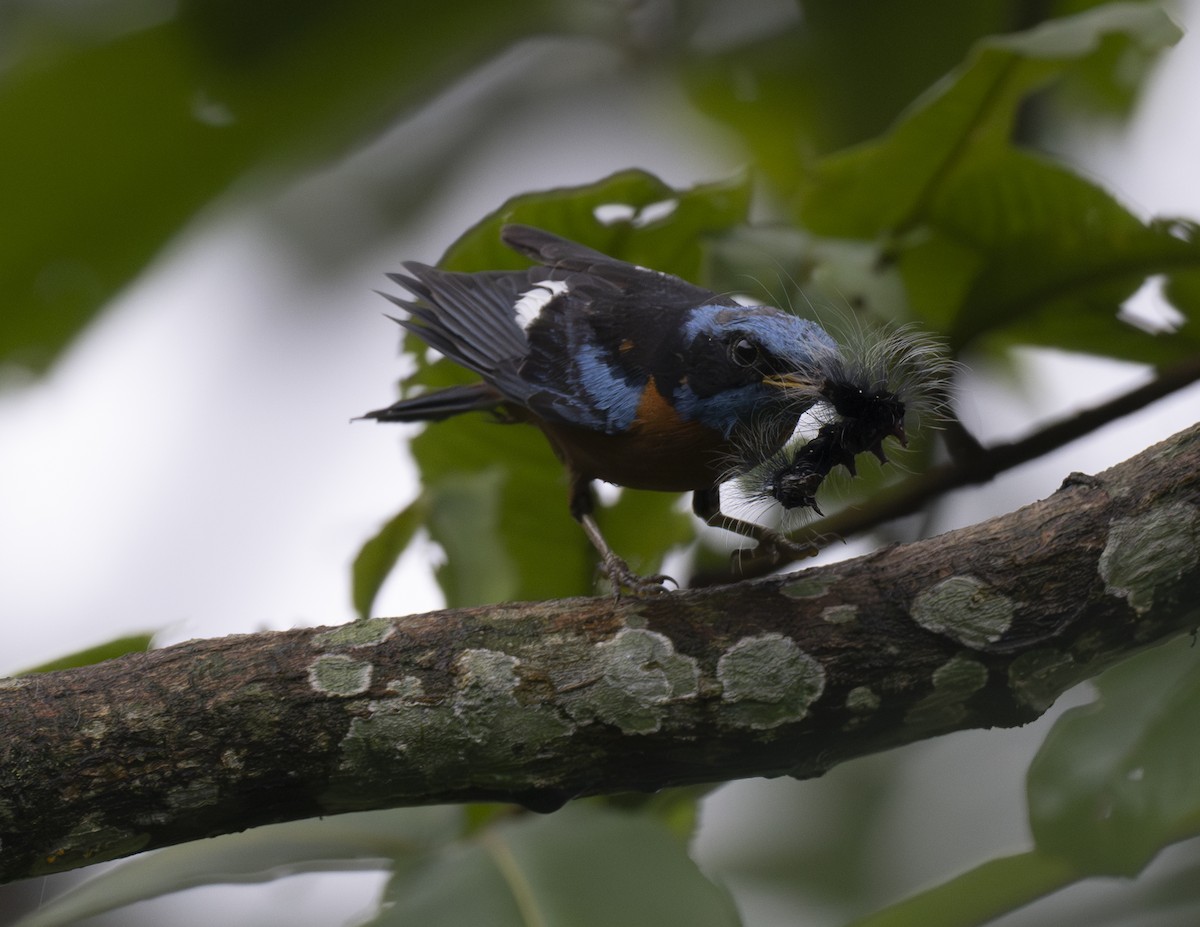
(636, 377)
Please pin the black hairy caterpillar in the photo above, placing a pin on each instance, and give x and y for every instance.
(865, 419)
(861, 397)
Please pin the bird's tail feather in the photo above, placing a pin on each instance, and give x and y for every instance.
(439, 404)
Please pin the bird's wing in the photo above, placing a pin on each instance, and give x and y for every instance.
(640, 287)
(478, 320)
(613, 327)
(467, 317)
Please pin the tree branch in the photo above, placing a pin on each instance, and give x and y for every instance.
(537, 703)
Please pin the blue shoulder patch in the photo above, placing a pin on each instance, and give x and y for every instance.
(605, 390)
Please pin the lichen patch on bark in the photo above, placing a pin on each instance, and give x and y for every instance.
(339, 676)
(965, 609)
(1150, 550)
(769, 680)
(954, 682)
(629, 681)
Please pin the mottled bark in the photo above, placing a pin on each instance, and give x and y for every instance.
(540, 702)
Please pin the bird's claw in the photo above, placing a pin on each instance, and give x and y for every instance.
(621, 577)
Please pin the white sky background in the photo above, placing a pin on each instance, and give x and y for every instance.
(189, 465)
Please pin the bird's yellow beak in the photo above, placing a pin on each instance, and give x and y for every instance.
(790, 381)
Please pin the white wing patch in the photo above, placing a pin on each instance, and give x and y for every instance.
(529, 307)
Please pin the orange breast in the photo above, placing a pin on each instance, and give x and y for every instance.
(659, 451)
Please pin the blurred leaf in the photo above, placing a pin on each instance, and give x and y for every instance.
(581, 866)
(481, 815)
(992, 240)
(1118, 780)
(1182, 287)
(118, 647)
(979, 895)
(379, 555)
(1108, 81)
(631, 215)
(677, 808)
(838, 76)
(497, 505)
(345, 842)
(886, 187)
(111, 148)
(1046, 258)
(495, 495)
(465, 516)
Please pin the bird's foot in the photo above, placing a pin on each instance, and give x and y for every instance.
(617, 570)
(775, 548)
(621, 577)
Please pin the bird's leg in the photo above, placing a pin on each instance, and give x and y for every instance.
(583, 503)
(706, 503)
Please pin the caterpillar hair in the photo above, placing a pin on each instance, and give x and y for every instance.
(878, 385)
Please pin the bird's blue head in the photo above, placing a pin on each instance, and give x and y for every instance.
(744, 365)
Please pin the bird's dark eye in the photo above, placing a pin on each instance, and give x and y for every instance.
(743, 352)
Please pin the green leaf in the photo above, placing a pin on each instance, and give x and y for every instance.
(839, 75)
(1027, 249)
(118, 647)
(631, 215)
(581, 866)
(886, 186)
(379, 555)
(346, 842)
(1109, 82)
(495, 496)
(990, 240)
(497, 505)
(1182, 287)
(1118, 780)
(677, 808)
(465, 515)
(110, 148)
(979, 895)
